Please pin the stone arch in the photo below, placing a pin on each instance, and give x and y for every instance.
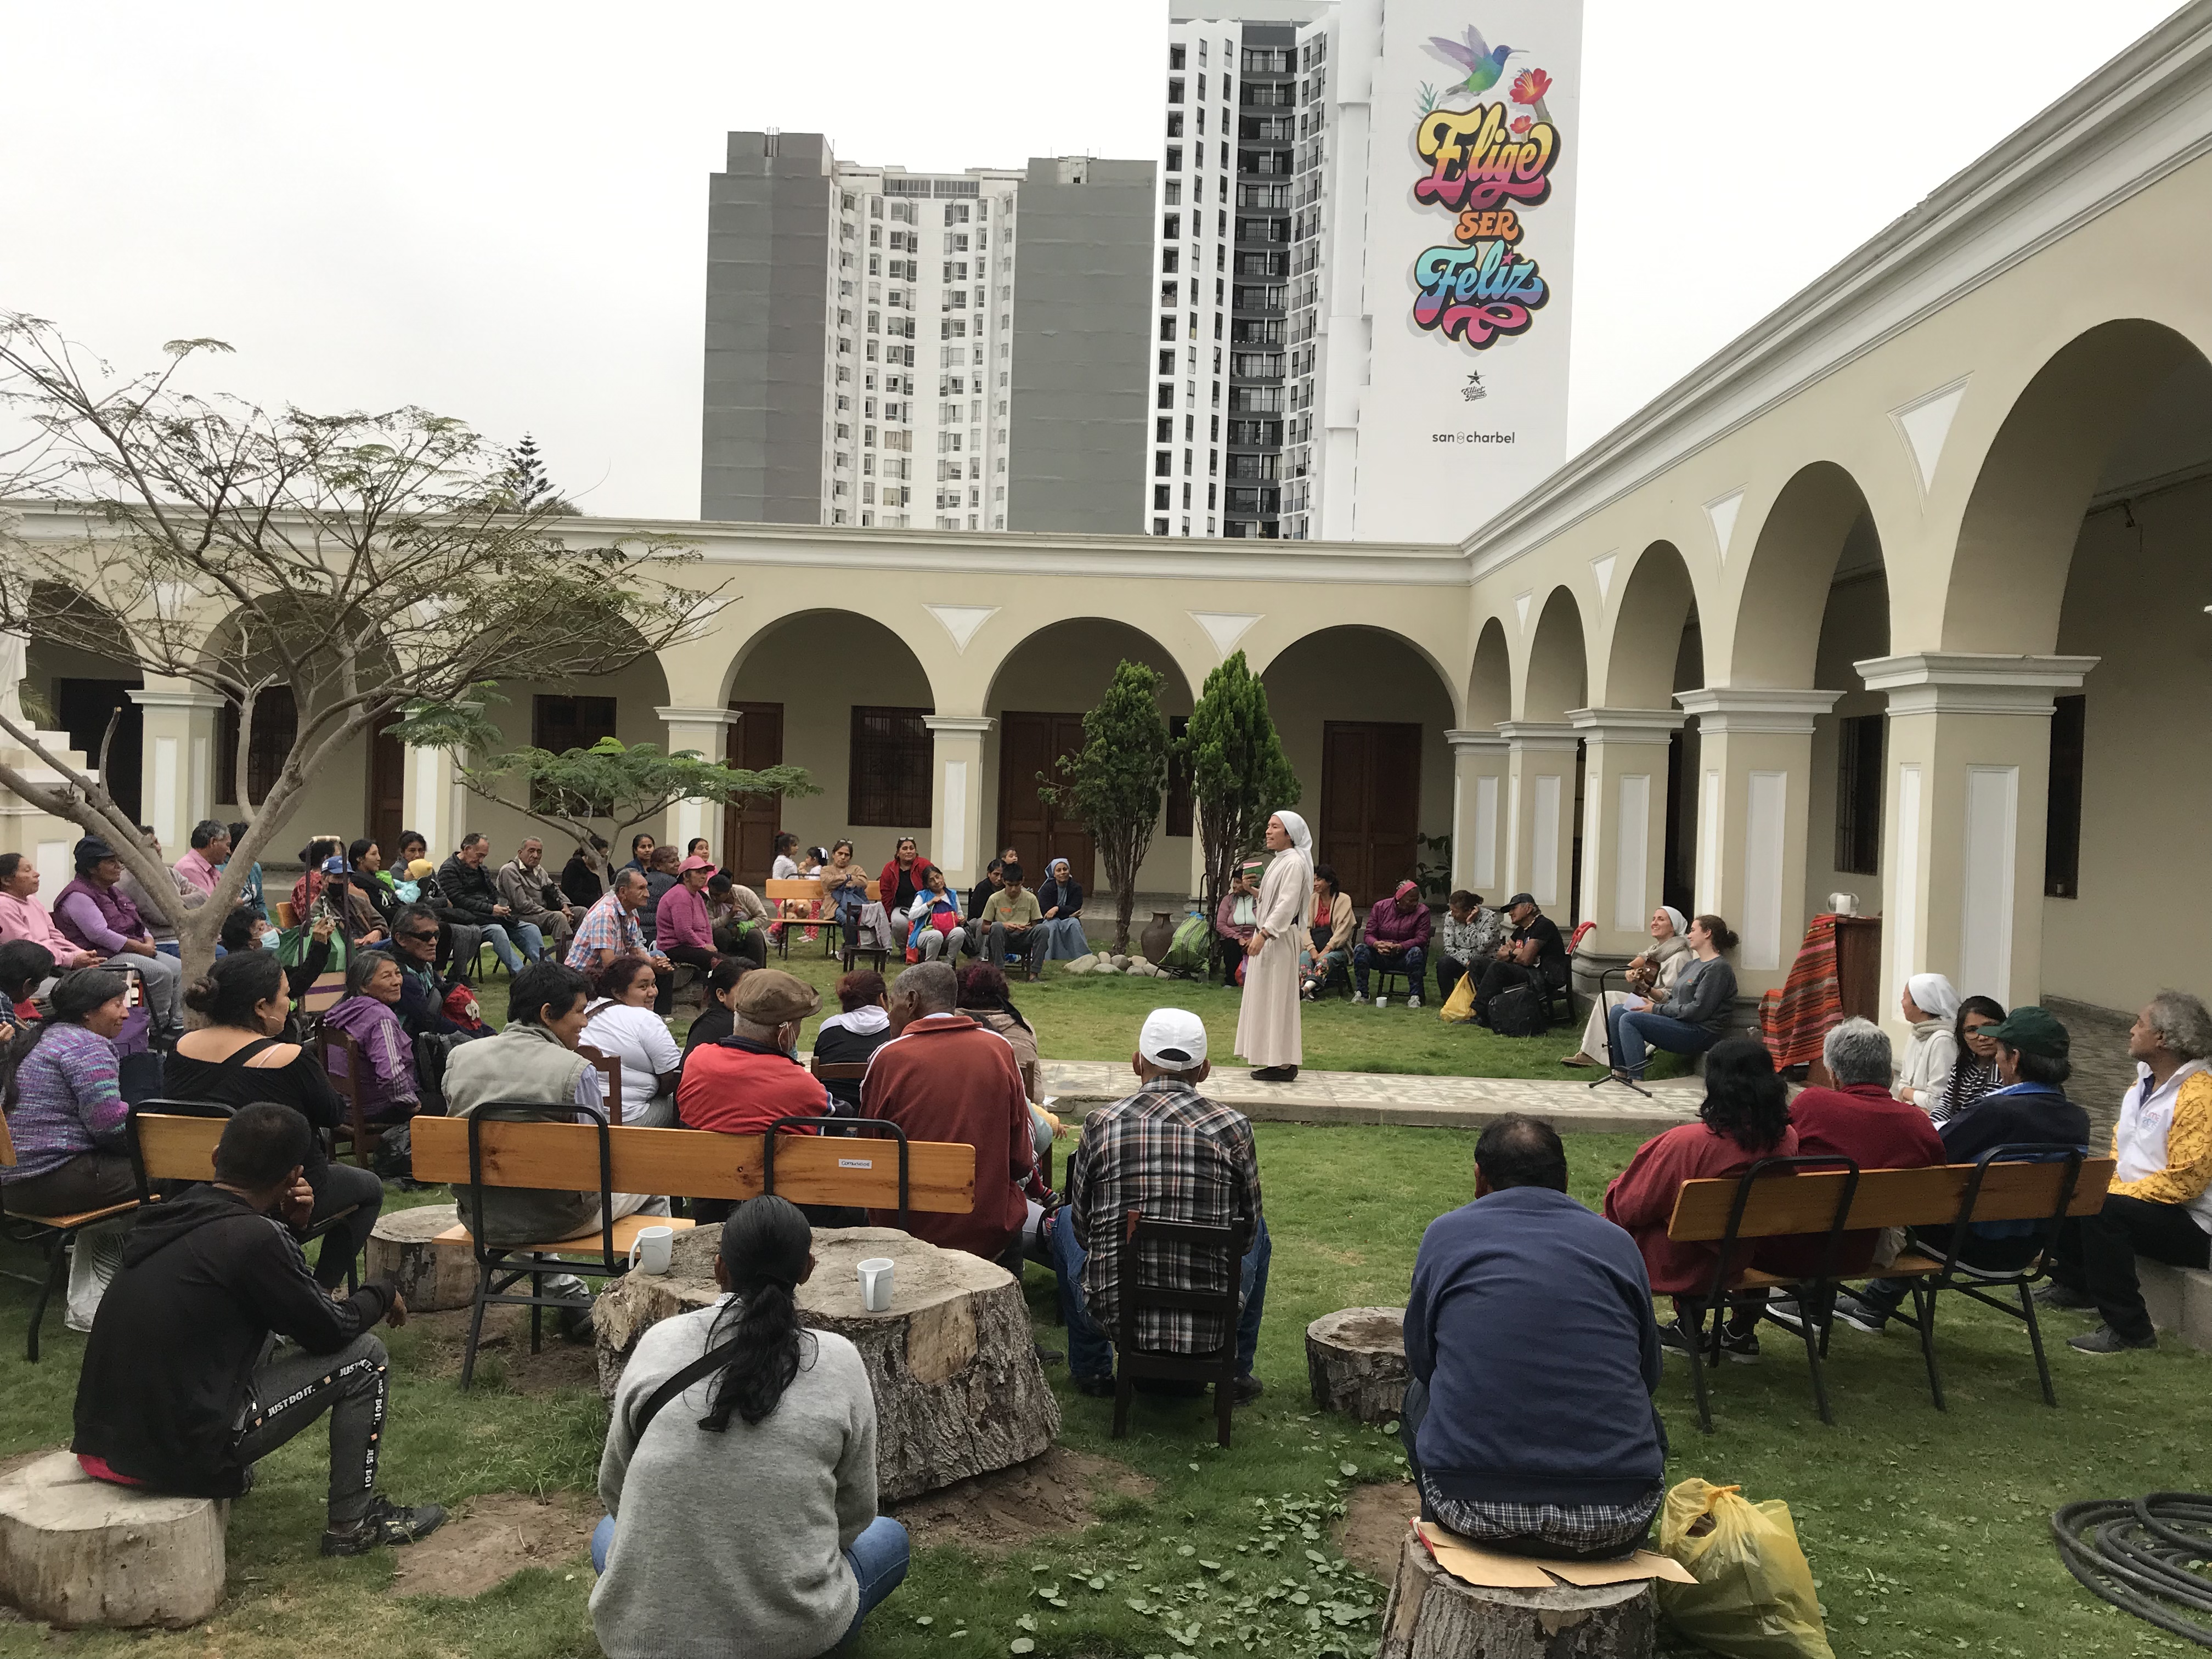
(2017, 534)
(1645, 644)
(1363, 727)
(1783, 595)
(1490, 681)
(1555, 673)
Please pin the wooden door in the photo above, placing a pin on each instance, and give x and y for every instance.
(387, 766)
(749, 829)
(1371, 806)
(1029, 744)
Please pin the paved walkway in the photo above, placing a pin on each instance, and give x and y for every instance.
(1567, 1104)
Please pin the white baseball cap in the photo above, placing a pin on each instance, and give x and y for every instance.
(1173, 1037)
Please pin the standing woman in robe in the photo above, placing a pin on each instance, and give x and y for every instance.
(1268, 1022)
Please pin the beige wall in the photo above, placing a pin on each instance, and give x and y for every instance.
(2135, 598)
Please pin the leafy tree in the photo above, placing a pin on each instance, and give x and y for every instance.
(1239, 776)
(525, 480)
(607, 790)
(1117, 783)
(366, 561)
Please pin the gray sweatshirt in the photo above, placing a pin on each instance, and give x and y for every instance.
(1703, 991)
(732, 1545)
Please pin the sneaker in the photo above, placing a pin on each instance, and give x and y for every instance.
(1246, 1389)
(2055, 1295)
(1785, 1312)
(1049, 1355)
(1356, 998)
(1413, 1002)
(574, 1323)
(385, 1524)
(2105, 1339)
(1098, 1388)
(1855, 1311)
(1674, 1338)
(1741, 1346)
(1306, 991)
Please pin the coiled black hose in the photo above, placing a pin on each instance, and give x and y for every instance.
(2146, 1555)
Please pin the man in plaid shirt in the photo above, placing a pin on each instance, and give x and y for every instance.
(1171, 1153)
(610, 929)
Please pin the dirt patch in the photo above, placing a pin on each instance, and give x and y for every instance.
(505, 1348)
(1373, 1529)
(1057, 1493)
(495, 1537)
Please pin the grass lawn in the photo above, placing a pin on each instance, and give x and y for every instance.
(1927, 1532)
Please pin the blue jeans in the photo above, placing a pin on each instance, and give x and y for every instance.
(877, 1558)
(1632, 1030)
(1091, 1351)
(496, 935)
(1414, 960)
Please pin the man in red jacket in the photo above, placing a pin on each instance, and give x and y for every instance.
(753, 1077)
(1858, 1119)
(945, 1077)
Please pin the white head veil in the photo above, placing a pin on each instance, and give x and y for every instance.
(1301, 837)
(1933, 995)
(1681, 922)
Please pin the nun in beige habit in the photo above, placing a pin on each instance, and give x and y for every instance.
(1268, 1021)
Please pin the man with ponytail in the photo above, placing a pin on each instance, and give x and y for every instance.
(739, 1473)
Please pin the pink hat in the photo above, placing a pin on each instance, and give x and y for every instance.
(691, 864)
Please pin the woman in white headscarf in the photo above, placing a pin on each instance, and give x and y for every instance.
(1929, 1005)
(1268, 1022)
(1650, 980)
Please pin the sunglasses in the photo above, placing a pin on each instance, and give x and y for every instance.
(433, 933)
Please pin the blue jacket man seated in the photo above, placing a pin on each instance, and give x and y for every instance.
(1532, 1354)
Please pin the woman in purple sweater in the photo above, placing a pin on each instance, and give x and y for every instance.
(65, 1113)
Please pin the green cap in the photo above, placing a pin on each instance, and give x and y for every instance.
(2032, 1030)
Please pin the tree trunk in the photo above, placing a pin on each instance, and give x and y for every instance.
(1433, 1615)
(432, 1277)
(1356, 1360)
(953, 1365)
(76, 1550)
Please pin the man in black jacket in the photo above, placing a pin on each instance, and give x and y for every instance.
(473, 896)
(177, 1394)
(1531, 923)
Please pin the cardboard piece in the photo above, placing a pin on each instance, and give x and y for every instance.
(1493, 1570)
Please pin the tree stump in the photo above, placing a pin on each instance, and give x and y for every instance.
(76, 1550)
(953, 1365)
(1356, 1359)
(1433, 1615)
(432, 1277)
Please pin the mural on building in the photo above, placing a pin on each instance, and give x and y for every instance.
(1489, 160)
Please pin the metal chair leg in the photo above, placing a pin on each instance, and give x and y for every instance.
(2035, 1340)
(1814, 1343)
(1124, 1390)
(476, 1327)
(1923, 1313)
(536, 1313)
(1698, 1363)
(57, 1264)
(1225, 1402)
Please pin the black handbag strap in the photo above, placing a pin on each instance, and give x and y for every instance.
(713, 1360)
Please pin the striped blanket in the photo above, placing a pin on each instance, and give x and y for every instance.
(1796, 1018)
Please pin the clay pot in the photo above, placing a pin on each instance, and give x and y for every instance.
(1158, 934)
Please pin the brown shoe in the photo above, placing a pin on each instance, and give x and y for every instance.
(1577, 1058)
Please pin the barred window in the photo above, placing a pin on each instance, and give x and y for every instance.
(889, 781)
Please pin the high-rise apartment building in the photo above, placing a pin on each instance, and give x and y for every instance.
(949, 351)
(1325, 331)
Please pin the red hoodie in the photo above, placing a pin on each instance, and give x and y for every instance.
(887, 883)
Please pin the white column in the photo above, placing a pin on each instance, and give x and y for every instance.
(1479, 784)
(1539, 808)
(177, 766)
(955, 797)
(704, 732)
(1754, 762)
(1968, 777)
(1625, 821)
(430, 791)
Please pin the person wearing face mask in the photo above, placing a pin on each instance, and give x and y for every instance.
(242, 930)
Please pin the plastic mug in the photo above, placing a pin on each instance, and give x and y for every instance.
(652, 1250)
(876, 1274)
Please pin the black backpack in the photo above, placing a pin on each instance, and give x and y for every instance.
(1520, 1011)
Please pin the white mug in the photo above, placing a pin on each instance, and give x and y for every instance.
(652, 1249)
(1844, 905)
(876, 1274)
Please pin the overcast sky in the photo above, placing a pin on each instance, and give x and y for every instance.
(500, 212)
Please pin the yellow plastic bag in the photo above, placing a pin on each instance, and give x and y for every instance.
(1754, 1597)
(1459, 1006)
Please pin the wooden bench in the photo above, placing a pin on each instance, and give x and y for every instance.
(484, 1150)
(795, 899)
(1828, 1197)
(54, 1233)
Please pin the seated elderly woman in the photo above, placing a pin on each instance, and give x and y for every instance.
(1690, 1021)
(369, 1014)
(68, 1119)
(1651, 974)
(1058, 937)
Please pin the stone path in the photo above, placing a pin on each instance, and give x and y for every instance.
(1567, 1104)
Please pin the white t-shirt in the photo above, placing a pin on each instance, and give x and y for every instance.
(784, 869)
(640, 1039)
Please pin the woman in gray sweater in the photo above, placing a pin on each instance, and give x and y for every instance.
(756, 1536)
(1694, 1017)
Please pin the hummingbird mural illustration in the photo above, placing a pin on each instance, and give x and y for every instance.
(1483, 62)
